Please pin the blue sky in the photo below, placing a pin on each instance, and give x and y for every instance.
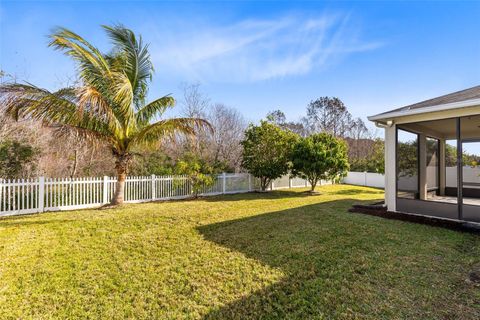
(260, 56)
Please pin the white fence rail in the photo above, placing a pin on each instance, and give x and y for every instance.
(367, 179)
(24, 196)
(471, 178)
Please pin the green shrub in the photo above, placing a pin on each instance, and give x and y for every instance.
(266, 152)
(17, 159)
(320, 156)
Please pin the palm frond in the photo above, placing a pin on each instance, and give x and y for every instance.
(123, 99)
(136, 57)
(168, 128)
(94, 102)
(92, 65)
(154, 108)
(93, 137)
(60, 108)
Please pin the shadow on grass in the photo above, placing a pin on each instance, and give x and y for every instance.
(288, 193)
(334, 264)
(303, 242)
(351, 192)
(255, 195)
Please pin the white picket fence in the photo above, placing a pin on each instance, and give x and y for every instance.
(24, 196)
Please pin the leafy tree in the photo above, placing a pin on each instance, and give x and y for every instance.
(266, 152)
(15, 158)
(198, 172)
(320, 156)
(109, 102)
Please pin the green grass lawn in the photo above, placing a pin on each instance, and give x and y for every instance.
(276, 255)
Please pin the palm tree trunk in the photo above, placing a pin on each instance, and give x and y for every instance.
(121, 165)
(118, 197)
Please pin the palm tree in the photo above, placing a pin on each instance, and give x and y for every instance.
(109, 103)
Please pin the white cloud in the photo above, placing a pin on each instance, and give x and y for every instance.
(256, 50)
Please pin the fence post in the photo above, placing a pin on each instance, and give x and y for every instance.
(154, 191)
(105, 189)
(249, 182)
(224, 183)
(289, 182)
(365, 172)
(271, 186)
(41, 194)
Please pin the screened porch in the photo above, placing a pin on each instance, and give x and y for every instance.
(438, 168)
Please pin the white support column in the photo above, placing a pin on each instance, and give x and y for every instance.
(249, 182)
(442, 164)
(422, 170)
(289, 182)
(390, 167)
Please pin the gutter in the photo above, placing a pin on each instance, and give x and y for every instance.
(383, 125)
(440, 107)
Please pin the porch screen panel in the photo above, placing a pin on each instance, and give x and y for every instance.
(451, 181)
(470, 134)
(471, 172)
(407, 165)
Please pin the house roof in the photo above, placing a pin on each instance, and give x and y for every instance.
(460, 99)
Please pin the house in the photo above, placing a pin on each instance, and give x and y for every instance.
(432, 156)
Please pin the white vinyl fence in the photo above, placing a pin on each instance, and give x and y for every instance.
(23, 196)
(471, 178)
(367, 179)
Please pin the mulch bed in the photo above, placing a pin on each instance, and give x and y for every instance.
(379, 210)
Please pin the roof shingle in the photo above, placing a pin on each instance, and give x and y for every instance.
(459, 96)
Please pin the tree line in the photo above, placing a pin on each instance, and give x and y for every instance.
(29, 147)
(102, 123)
